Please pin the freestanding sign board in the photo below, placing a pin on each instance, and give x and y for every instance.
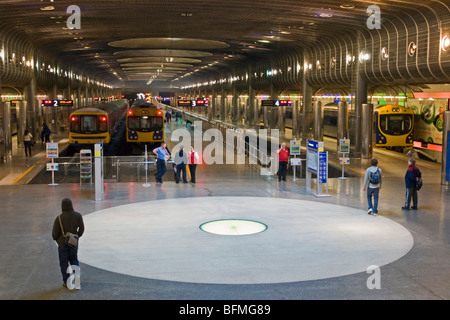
(344, 148)
(317, 163)
(294, 150)
(98, 156)
(52, 153)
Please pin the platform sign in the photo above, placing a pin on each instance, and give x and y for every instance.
(184, 103)
(322, 175)
(57, 103)
(199, 103)
(52, 150)
(344, 145)
(52, 166)
(312, 149)
(344, 160)
(447, 171)
(296, 161)
(276, 103)
(295, 147)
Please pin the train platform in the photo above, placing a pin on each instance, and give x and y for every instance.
(233, 235)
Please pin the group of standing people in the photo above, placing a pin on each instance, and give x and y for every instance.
(28, 140)
(373, 179)
(181, 159)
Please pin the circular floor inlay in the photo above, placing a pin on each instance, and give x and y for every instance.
(233, 227)
(304, 240)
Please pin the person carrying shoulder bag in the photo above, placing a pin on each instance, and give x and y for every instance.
(69, 221)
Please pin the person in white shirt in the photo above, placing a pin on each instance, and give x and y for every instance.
(27, 142)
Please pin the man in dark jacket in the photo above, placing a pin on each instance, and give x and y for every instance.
(72, 222)
(412, 173)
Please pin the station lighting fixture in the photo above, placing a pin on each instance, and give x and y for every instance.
(445, 43)
(363, 57)
(412, 47)
(384, 53)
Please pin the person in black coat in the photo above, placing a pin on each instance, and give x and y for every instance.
(72, 222)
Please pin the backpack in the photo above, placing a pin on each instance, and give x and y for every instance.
(375, 177)
(419, 182)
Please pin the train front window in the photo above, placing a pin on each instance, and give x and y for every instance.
(396, 124)
(145, 123)
(90, 124)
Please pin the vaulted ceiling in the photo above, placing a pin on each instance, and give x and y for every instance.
(139, 42)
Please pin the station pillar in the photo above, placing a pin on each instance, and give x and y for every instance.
(366, 131)
(295, 123)
(6, 138)
(342, 122)
(318, 121)
(445, 175)
(21, 121)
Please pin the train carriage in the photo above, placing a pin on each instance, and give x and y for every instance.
(91, 125)
(393, 125)
(145, 124)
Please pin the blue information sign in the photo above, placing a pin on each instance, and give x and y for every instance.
(447, 169)
(322, 174)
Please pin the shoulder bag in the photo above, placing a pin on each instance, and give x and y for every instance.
(70, 239)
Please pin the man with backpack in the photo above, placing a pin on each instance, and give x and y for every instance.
(412, 175)
(372, 182)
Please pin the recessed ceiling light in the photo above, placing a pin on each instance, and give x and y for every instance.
(347, 6)
(48, 8)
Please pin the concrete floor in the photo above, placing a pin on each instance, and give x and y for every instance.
(314, 247)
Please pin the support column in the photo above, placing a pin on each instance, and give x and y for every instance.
(295, 122)
(222, 106)
(32, 121)
(359, 88)
(366, 131)
(53, 110)
(251, 120)
(79, 103)
(318, 121)
(306, 110)
(212, 107)
(234, 106)
(6, 134)
(342, 122)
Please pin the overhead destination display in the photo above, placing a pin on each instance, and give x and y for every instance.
(193, 103)
(276, 103)
(57, 103)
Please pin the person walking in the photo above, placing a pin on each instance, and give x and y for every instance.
(372, 182)
(412, 173)
(68, 221)
(193, 159)
(162, 155)
(27, 142)
(181, 160)
(45, 134)
(283, 158)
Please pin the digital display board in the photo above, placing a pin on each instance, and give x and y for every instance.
(184, 103)
(57, 103)
(199, 103)
(276, 103)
